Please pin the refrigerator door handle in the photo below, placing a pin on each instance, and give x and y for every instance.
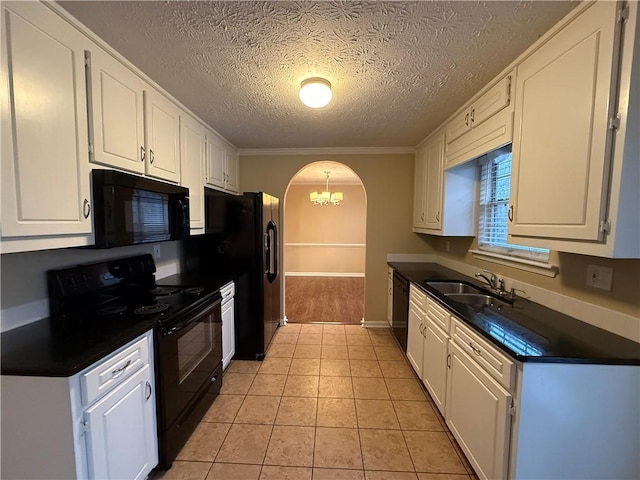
(272, 271)
(267, 252)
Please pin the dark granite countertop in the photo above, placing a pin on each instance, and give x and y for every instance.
(525, 330)
(42, 348)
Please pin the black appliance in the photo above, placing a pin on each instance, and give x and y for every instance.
(104, 296)
(128, 209)
(400, 309)
(242, 239)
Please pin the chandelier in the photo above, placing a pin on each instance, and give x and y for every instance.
(326, 197)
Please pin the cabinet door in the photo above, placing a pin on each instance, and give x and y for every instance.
(477, 413)
(116, 107)
(435, 183)
(459, 125)
(121, 431)
(45, 179)
(162, 137)
(232, 169)
(561, 147)
(228, 333)
(420, 187)
(491, 102)
(192, 150)
(216, 154)
(434, 363)
(415, 340)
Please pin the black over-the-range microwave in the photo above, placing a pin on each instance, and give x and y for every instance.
(128, 209)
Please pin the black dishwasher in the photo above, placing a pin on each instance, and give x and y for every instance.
(400, 308)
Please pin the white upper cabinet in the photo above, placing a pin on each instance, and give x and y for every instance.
(562, 143)
(575, 151)
(484, 125)
(116, 106)
(162, 136)
(443, 200)
(45, 175)
(133, 127)
(192, 144)
(222, 164)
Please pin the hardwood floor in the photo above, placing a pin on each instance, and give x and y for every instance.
(324, 299)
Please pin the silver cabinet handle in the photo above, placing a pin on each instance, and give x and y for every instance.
(449, 360)
(422, 217)
(420, 329)
(143, 153)
(86, 208)
(510, 214)
(466, 120)
(148, 395)
(473, 114)
(151, 155)
(118, 371)
(475, 349)
(437, 216)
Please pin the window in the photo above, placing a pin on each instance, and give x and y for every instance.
(495, 185)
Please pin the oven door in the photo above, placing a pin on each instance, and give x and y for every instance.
(188, 353)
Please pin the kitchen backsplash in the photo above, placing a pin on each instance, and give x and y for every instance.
(24, 295)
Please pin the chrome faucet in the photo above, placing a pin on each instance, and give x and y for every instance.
(491, 281)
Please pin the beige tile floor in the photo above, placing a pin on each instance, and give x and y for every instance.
(328, 402)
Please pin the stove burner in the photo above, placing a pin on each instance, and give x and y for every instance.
(193, 291)
(152, 309)
(112, 310)
(163, 291)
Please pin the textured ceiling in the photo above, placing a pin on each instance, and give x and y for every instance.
(398, 69)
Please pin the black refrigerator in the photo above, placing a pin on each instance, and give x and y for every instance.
(242, 239)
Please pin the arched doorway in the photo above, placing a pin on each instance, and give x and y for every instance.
(324, 245)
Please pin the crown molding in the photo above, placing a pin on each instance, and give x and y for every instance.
(262, 152)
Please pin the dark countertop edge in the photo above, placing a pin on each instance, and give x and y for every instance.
(419, 266)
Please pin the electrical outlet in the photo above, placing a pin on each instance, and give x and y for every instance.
(599, 277)
(156, 252)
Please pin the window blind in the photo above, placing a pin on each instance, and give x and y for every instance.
(495, 187)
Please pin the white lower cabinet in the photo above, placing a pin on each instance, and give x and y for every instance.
(228, 324)
(98, 423)
(415, 326)
(477, 413)
(119, 430)
(434, 363)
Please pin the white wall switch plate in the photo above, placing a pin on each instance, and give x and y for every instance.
(599, 277)
(156, 252)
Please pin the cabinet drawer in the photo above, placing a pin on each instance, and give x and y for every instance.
(438, 315)
(418, 297)
(228, 291)
(495, 363)
(112, 371)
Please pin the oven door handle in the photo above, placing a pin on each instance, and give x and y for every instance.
(181, 326)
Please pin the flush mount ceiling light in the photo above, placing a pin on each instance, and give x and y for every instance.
(315, 92)
(326, 197)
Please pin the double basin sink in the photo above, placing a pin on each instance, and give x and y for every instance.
(465, 293)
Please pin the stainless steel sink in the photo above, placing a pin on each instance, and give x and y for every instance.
(454, 287)
(473, 299)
